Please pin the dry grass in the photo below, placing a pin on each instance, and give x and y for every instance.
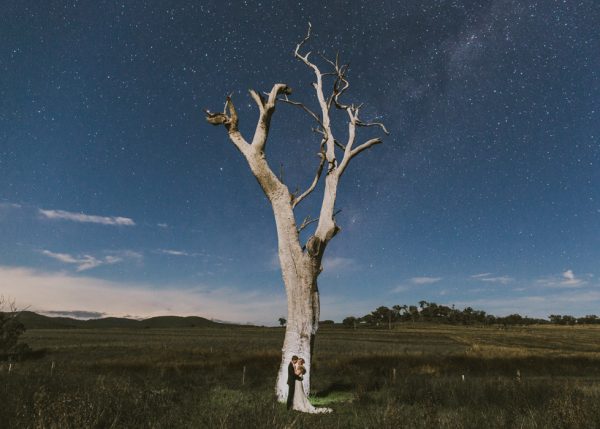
(192, 378)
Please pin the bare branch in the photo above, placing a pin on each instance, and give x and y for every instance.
(307, 221)
(278, 88)
(338, 144)
(350, 152)
(320, 131)
(373, 124)
(334, 65)
(299, 45)
(303, 107)
(216, 118)
(258, 99)
(296, 200)
(340, 85)
(233, 117)
(229, 119)
(366, 145)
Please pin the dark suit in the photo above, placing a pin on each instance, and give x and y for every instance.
(291, 381)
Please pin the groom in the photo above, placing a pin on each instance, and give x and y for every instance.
(291, 381)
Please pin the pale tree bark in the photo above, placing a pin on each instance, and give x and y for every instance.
(300, 264)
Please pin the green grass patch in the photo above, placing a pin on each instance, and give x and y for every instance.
(331, 398)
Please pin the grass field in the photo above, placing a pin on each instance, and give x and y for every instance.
(409, 377)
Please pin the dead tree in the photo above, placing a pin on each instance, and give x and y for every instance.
(301, 263)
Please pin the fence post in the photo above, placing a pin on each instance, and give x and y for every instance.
(52, 369)
(244, 375)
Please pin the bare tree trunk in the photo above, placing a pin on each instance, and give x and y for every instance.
(303, 322)
(299, 271)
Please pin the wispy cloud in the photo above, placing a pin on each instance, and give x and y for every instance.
(9, 205)
(173, 252)
(162, 225)
(478, 276)
(566, 280)
(400, 289)
(7, 208)
(488, 277)
(85, 218)
(84, 262)
(338, 263)
(569, 279)
(76, 314)
(57, 291)
(413, 282)
(424, 280)
(87, 262)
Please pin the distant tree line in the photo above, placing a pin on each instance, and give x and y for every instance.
(590, 319)
(385, 317)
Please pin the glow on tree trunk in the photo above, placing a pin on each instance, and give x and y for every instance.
(301, 327)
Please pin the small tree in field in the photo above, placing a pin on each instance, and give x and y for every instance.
(282, 321)
(10, 330)
(301, 262)
(350, 322)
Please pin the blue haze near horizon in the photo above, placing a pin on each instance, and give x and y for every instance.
(485, 193)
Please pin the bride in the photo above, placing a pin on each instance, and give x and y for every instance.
(300, 399)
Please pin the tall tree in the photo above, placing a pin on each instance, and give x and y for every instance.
(301, 262)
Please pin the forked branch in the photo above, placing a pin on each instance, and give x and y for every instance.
(307, 221)
(266, 108)
(354, 121)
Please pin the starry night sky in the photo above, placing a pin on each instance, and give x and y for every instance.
(116, 196)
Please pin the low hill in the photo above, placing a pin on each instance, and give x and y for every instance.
(178, 322)
(33, 320)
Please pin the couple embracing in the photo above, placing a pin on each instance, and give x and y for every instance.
(297, 399)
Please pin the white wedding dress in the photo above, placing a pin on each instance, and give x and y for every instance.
(301, 401)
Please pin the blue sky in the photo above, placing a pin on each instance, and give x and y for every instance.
(116, 197)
